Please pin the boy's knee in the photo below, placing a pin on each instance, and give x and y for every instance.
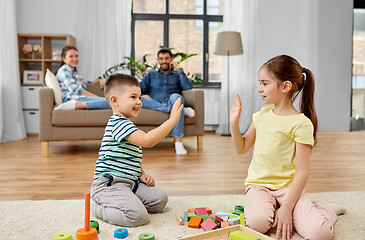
(158, 204)
(128, 218)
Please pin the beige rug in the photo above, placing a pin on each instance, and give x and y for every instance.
(38, 220)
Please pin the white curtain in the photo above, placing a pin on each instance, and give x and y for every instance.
(11, 115)
(241, 16)
(105, 27)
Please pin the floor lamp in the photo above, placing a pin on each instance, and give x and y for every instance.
(228, 44)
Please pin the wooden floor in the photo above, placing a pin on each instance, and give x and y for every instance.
(337, 164)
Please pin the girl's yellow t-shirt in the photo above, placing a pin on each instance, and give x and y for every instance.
(273, 161)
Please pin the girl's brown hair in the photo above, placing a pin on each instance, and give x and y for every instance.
(286, 68)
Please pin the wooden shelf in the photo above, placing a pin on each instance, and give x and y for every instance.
(49, 43)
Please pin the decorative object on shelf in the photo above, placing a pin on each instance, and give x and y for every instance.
(33, 77)
(27, 49)
(56, 55)
(36, 51)
(32, 52)
(140, 69)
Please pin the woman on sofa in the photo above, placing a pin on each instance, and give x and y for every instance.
(74, 91)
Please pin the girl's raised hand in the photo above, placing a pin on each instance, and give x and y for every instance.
(176, 111)
(236, 110)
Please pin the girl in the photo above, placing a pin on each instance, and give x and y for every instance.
(279, 168)
(75, 94)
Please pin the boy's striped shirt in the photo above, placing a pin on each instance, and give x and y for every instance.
(117, 156)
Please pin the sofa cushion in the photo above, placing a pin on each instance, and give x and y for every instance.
(99, 118)
(52, 83)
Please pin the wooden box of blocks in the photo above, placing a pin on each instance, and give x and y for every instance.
(223, 233)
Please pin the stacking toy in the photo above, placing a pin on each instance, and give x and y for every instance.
(146, 236)
(121, 233)
(62, 236)
(87, 233)
(94, 224)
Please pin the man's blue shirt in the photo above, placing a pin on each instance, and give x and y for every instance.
(159, 86)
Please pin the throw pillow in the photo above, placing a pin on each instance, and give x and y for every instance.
(51, 82)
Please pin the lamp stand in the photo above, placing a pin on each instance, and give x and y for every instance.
(228, 105)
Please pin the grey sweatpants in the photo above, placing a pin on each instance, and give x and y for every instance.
(118, 205)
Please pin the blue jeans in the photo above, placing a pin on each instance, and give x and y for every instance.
(166, 106)
(95, 102)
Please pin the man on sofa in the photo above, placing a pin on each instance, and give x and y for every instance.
(160, 89)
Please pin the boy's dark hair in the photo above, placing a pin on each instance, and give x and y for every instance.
(119, 80)
(164, 50)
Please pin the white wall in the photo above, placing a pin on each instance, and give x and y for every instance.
(324, 45)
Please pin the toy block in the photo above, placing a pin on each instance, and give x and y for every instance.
(209, 224)
(201, 211)
(224, 214)
(242, 219)
(234, 221)
(237, 212)
(232, 216)
(205, 217)
(191, 214)
(209, 210)
(224, 224)
(191, 210)
(218, 224)
(239, 235)
(195, 222)
(217, 219)
(240, 208)
(185, 216)
(229, 211)
(179, 219)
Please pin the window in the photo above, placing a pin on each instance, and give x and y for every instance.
(358, 65)
(188, 26)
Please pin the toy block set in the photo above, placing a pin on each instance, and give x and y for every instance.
(236, 232)
(203, 218)
(229, 224)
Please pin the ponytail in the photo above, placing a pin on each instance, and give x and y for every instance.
(286, 68)
(307, 103)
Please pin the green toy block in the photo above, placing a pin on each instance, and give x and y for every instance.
(229, 211)
(242, 219)
(237, 212)
(205, 217)
(219, 224)
(238, 207)
(239, 235)
(191, 214)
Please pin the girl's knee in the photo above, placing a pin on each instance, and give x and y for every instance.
(259, 223)
(323, 232)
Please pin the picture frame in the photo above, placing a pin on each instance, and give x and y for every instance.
(33, 77)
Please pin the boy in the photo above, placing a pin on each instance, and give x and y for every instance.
(122, 193)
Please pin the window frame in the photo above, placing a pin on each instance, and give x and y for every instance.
(165, 17)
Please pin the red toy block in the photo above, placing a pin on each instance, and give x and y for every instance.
(224, 224)
(209, 224)
(195, 222)
(201, 211)
(217, 218)
(209, 210)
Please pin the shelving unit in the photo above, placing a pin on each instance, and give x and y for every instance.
(30, 92)
(49, 43)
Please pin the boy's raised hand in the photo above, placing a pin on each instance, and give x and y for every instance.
(236, 110)
(176, 111)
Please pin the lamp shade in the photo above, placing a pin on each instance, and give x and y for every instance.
(228, 43)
